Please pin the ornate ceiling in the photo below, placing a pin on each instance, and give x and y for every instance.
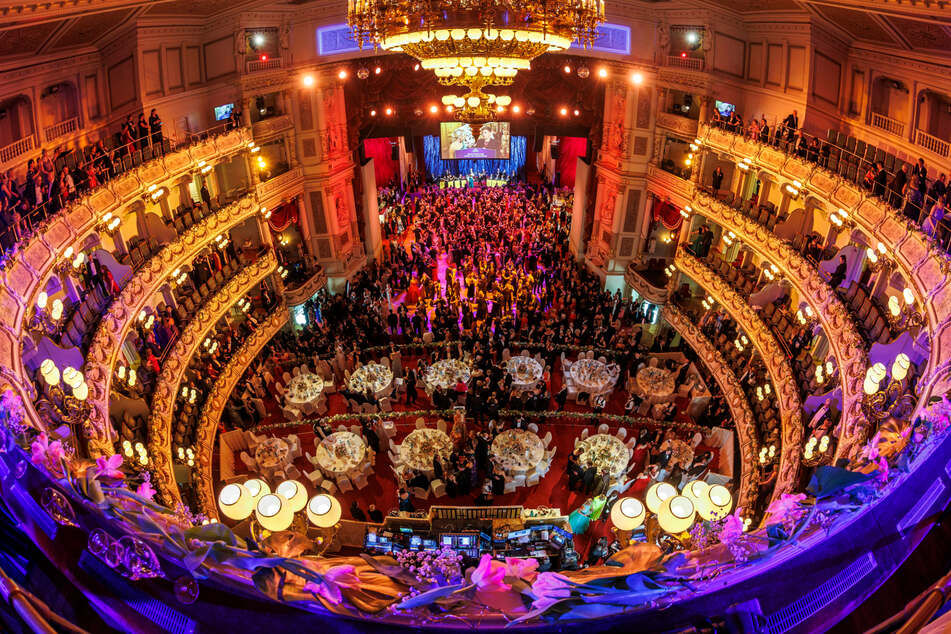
(36, 28)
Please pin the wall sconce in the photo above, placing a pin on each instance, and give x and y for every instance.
(670, 270)
(265, 212)
(221, 240)
(47, 318)
(686, 211)
(282, 272)
(72, 408)
(204, 167)
(817, 450)
(767, 454)
(877, 258)
(902, 313)
(178, 277)
(707, 302)
(895, 398)
(770, 272)
(793, 189)
(729, 237)
(805, 315)
(253, 147)
(745, 164)
(109, 222)
(840, 219)
(244, 304)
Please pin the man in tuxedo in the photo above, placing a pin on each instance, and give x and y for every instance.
(717, 179)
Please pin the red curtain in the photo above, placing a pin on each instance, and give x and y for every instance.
(384, 167)
(571, 148)
(283, 217)
(667, 213)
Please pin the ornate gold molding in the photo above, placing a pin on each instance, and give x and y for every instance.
(925, 266)
(215, 405)
(678, 124)
(846, 344)
(278, 186)
(732, 392)
(780, 372)
(300, 294)
(169, 381)
(116, 323)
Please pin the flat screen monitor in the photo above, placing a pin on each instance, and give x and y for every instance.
(465, 541)
(223, 112)
(429, 544)
(725, 109)
(490, 140)
(519, 534)
(415, 542)
(446, 540)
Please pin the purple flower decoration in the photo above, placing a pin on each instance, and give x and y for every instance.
(490, 575)
(521, 568)
(46, 453)
(145, 490)
(786, 509)
(109, 467)
(548, 589)
(732, 529)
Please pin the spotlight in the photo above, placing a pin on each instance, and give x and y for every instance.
(388, 111)
(637, 78)
(692, 37)
(416, 67)
(683, 55)
(373, 113)
(377, 70)
(577, 112)
(602, 72)
(342, 75)
(433, 109)
(263, 57)
(567, 69)
(449, 109)
(564, 112)
(308, 80)
(516, 109)
(499, 109)
(258, 39)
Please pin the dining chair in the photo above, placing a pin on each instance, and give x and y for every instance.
(315, 478)
(417, 492)
(532, 427)
(438, 487)
(310, 458)
(342, 427)
(386, 405)
(603, 428)
(343, 482)
(287, 377)
(441, 425)
(584, 433)
(420, 423)
(296, 371)
(546, 440)
(328, 486)
(532, 478)
(356, 429)
(621, 433)
(292, 472)
(294, 442)
(359, 481)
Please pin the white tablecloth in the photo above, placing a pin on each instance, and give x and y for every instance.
(303, 389)
(517, 450)
(605, 452)
(446, 373)
(592, 376)
(525, 371)
(273, 453)
(341, 453)
(655, 382)
(376, 376)
(419, 447)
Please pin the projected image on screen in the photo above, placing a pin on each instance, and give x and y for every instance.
(474, 141)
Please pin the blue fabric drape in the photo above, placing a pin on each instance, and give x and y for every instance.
(438, 167)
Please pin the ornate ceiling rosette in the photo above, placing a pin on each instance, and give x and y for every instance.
(106, 345)
(215, 405)
(732, 391)
(847, 345)
(780, 372)
(176, 364)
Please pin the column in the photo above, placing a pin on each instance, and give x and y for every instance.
(169, 296)
(576, 232)
(371, 212)
(264, 232)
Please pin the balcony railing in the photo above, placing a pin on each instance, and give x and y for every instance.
(62, 128)
(932, 143)
(279, 182)
(270, 63)
(892, 126)
(16, 148)
(689, 63)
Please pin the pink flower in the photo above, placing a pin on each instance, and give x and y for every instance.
(786, 508)
(490, 575)
(109, 467)
(46, 453)
(732, 527)
(870, 452)
(548, 589)
(520, 568)
(882, 466)
(145, 490)
(335, 578)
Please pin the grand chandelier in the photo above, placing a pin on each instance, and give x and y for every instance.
(474, 43)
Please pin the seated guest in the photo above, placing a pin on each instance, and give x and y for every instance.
(419, 480)
(376, 515)
(357, 513)
(405, 504)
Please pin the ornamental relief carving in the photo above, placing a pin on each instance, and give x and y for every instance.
(780, 372)
(681, 125)
(846, 343)
(732, 392)
(104, 350)
(169, 381)
(215, 405)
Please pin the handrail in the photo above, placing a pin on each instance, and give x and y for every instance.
(218, 397)
(174, 368)
(103, 353)
(784, 382)
(59, 129)
(932, 143)
(689, 63)
(886, 123)
(15, 149)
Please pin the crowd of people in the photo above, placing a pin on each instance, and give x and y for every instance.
(52, 181)
(905, 188)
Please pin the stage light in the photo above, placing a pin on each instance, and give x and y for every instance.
(577, 112)
(564, 112)
(258, 39)
(433, 109)
(637, 78)
(377, 70)
(416, 67)
(308, 80)
(449, 109)
(342, 74)
(602, 72)
(388, 111)
(567, 69)
(692, 37)
(373, 113)
(263, 57)
(499, 109)
(516, 109)
(683, 56)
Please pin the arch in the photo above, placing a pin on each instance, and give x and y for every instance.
(16, 120)
(58, 112)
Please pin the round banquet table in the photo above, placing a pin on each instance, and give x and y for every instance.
(517, 450)
(376, 376)
(446, 373)
(341, 453)
(592, 376)
(655, 382)
(272, 453)
(605, 452)
(305, 388)
(419, 447)
(525, 371)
